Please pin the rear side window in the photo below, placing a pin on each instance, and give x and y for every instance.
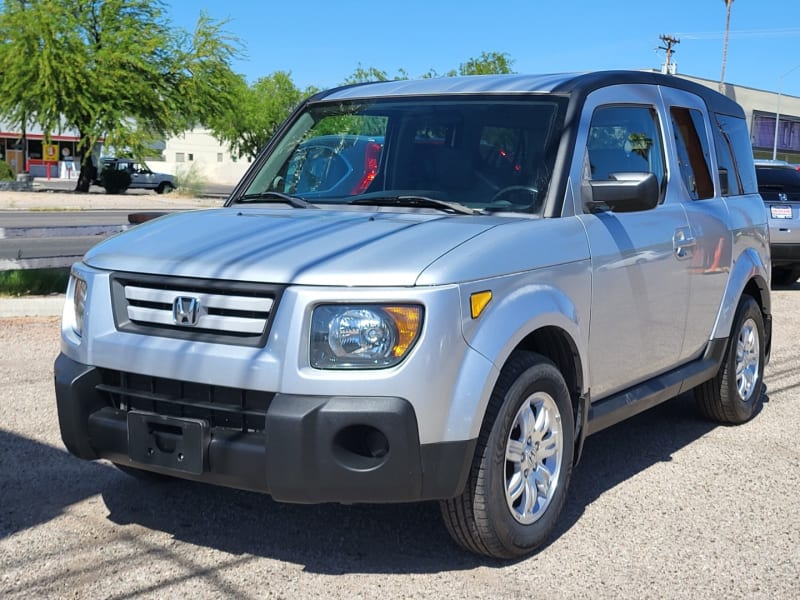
(691, 143)
(735, 156)
(624, 139)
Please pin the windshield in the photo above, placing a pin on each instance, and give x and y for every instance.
(483, 154)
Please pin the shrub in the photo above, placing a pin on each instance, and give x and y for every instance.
(189, 181)
(115, 181)
(6, 174)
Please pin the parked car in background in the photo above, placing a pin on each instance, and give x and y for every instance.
(779, 186)
(141, 176)
(339, 165)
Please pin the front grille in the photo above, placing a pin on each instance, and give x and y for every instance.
(195, 309)
(221, 407)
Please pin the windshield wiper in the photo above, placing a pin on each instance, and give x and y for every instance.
(417, 202)
(293, 201)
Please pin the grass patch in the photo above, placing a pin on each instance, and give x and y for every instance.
(35, 282)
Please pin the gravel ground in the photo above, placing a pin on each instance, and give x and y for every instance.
(662, 506)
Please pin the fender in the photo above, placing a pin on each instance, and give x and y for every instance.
(505, 324)
(747, 267)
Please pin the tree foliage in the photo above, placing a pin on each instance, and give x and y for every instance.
(259, 109)
(488, 63)
(112, 69)
(368, 74)
(256, 114)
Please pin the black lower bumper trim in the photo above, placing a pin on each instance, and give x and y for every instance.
(313, 449)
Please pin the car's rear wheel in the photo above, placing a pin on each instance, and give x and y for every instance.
(520, 474)
(735, 393)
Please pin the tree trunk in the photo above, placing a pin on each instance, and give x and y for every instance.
(88, 169)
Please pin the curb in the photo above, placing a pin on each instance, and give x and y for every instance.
(32, 306)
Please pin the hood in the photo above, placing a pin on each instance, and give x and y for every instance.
(290, 246)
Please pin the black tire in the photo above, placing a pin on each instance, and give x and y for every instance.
(785, 275)
(735, 393)
(486, 518)
(165, 187)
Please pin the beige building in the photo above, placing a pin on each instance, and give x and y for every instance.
(199, 154)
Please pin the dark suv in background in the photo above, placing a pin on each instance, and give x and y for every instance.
(141, 176)
(779, 186)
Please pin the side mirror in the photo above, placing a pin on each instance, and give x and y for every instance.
(622, 192)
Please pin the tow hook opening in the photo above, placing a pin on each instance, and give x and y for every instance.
(360, 447)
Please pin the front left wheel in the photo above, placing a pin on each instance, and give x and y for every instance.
(519, 477)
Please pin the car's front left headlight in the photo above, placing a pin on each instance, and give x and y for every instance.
(76, 299)
(363, 336)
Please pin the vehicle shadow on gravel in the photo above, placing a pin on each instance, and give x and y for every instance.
(41, 481)
(403, 538)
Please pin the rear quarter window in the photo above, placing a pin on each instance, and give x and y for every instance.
(735, 156)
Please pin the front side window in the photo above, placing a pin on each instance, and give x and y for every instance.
(485, 154)
(624, 139)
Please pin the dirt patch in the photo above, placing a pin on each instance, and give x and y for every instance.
(66, 200)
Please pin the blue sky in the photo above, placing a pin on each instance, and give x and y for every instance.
(322, 42)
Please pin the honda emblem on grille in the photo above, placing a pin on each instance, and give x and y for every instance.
(185, 311)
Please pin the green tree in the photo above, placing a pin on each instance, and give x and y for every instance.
(112, 69)
(488, 63)
(257, 113)
(366, 75)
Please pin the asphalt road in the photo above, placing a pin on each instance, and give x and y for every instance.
(665, 505)
(47, 228)
(61, 218)
(38, 234)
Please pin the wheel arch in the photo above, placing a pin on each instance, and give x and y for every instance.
(556, 344)
(543, 319)
(749, 276)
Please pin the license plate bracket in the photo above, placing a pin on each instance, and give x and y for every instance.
(171, 442)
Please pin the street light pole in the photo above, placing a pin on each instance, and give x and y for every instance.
(778, 112)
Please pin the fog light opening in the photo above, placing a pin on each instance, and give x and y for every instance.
(361, 446)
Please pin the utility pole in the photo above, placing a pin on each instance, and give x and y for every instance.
(725, 44)
(669, 42)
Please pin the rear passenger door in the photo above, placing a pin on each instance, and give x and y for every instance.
(640, 260)
(708, 214)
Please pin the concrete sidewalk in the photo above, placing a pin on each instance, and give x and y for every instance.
(32, 306)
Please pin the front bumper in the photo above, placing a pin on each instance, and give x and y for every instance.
(311, 448)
